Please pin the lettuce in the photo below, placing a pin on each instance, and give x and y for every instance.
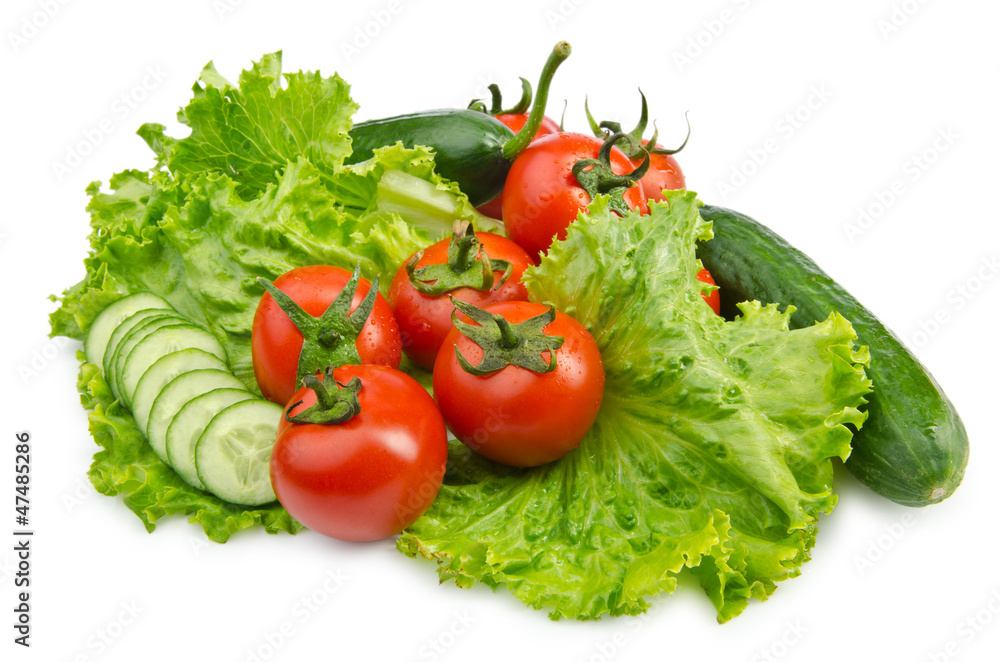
(257, 188)
(712, 451)
(126, 465)
(252, 130)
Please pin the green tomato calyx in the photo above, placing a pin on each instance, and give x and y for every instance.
(335, 402)
(328, 340)
(607, 128)
(468, 266)
(505, 343)
(597, 178)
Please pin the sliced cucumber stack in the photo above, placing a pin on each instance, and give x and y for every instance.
(162, 372)
(196, 415)
(159, 343)
(181, 390)
(187, 426)
(105, 324)
(139, 331)
(233, 454)
(125, 327)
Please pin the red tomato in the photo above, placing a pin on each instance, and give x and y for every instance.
(424, 320)
(276, 342)
(664, 173)
(371, 476)
(514, 415)
(542, 196)
(711, 298)
(515, 122)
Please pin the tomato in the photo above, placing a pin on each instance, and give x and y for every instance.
(542, 196)
(711, 298)
(371, 476)
(664, 173)
(276, 343)
(515, 415)
(425, 319)
(515, 122)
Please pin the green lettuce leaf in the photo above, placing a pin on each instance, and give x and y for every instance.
(712, 450)
(251, 131)
(127, 466)
(203, 249)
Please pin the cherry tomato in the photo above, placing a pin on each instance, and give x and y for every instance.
(542, 196)
(276, 342)
(371, 476)
(711, 298)
(515, 122)
(664, 173)
(517, 416)
(424, 319)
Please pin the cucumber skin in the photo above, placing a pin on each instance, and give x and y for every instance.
(913, 448)
(468, 146)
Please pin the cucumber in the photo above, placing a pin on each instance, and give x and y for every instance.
(162, 373)
(468, 146)
(110, 318)
(142, 331)
(177, 393)
(159, 343)
(116, 359)
(187, 426)
(123, 329)
(471, 148)
(233, 454)
(913, 448)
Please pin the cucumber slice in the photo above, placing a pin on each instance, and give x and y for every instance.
(159, 343)
(131, 341)
(162, 372)
(123, 329)
(181, 389)
(233, 454)
(111, 317)
(116, 360)
(187, 426)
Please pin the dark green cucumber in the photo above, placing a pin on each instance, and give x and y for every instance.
(913, 448)
(471, 148)
(468, 146)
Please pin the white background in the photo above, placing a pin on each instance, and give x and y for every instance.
(885, 582)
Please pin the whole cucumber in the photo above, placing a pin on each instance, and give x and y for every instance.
(913, 448)
(471, 148)
(468, 146)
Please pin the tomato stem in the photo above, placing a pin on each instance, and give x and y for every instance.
(504, 343)
(508, 337)
(520, 141)
(335, 405)
(464, 252)
(596, 176)
(497, 101)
